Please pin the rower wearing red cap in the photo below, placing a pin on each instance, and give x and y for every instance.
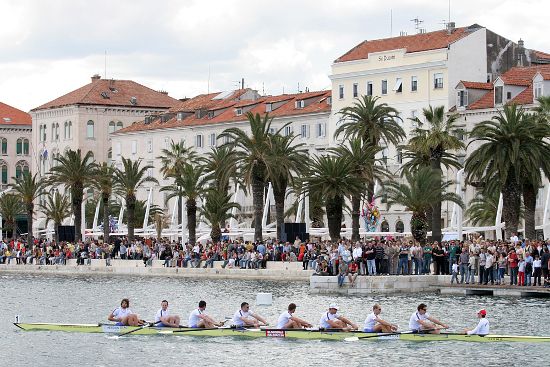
(482, 327)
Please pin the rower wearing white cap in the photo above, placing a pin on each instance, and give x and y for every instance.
(288, 321)
(482, 327)
(332, 320)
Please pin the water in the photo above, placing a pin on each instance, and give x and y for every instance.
(89, 299)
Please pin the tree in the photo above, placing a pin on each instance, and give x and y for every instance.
(374, 123)
(284, 161)
(513, 151)
(222, 164)
(103, 182)
(217, 210)
(74, 172)
(192, 184)
(127, 181)
(331, 176)
(435, 141)
(364, 167)
(56, 208)
(420, 193)
(10, 207)
(29, 187)
(252, 150)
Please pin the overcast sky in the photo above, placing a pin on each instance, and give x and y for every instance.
(49, 48)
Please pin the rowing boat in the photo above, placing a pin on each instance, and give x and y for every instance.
(276, 333)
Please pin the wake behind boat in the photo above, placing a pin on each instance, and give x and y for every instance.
(306, 334)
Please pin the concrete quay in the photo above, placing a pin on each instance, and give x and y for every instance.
(276, 271)
(399, 284)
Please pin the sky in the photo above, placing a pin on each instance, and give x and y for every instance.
(187, 47)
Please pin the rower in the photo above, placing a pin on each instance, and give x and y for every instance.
(332, 320)
(421, 322)
(123, 316)
(199, 319)
(163, 317)
(482, 327)
(374, 324)
(246, 318)
(288, 321)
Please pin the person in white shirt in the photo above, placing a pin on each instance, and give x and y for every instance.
(422, 322)
(288, 321)
(374, 324)
(123, 316)
(163, 317)
(246, 318)
(332, 320)
(482, 327)
(199, 319)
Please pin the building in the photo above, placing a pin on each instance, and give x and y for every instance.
(411, 72)
(15, 138)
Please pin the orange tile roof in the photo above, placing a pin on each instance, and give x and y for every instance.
(206, 101)
(487, 101)
(12, 116)
(288, 108)
(118, 93)
(477, 85)
(525, 97)
(541, 55)
(414, 43)
(523, 75)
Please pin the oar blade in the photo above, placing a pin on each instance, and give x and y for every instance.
(351, 339)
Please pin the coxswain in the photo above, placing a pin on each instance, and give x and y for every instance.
(244, 317)
(288, 321)
(422, 322)
(374, 324)
(199, 319)
(123, 316)
(482, 327)
(332, 320)
(163, 317)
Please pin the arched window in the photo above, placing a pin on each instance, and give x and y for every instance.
(20, 167)
(111, 127)
(4, 143)
(399, 226)
(4, 172)
(119, 125)
(385, 226)
(109, 156)
(22, 146)
(25, 146)
(68, 134)
(90, 130)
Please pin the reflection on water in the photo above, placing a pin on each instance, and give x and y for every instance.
(89, 299)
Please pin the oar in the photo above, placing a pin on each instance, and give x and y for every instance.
(356, 338)
(148, 324)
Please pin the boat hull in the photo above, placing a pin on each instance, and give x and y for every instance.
(276, 333)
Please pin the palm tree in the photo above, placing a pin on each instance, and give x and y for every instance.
(103, 182)
(222, 163)
(420, 193)
(217, 210)
(435, 141)
(252, 151)
(74, 172)
(332, 177)
(514, 150)
(373, 123)
(56, 208)
(29, 187)
(482, 209)
(11, 206)
(284, 160)
(126, 182)
(192, 184)
(365, 168)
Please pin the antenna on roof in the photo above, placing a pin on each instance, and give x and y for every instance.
(391, 22)
(208, 84)
(263, 89)
(417, 22)
(105, 74)
(449, 20)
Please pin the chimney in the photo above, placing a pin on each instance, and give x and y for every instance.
(163, 92)
(95, 78)
(242, 83)
(450, 27)
(521, 52)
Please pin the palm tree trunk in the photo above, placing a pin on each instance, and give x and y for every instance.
(436, 206)
(56, 232)
(30, 210)
(429, 216)
(131, 209)
(419, 227)
(355, 208)
(279, 195)
(334, 217)
(530, 204)
(191, 207)
(215, 233)
(180, 212)
(511, 203)
(106, 226)
(258, 203)
(77, 193)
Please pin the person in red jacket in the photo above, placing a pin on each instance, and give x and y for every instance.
(513, 265)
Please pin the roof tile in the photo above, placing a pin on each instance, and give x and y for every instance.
(12, 116)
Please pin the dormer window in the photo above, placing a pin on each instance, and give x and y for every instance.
(238, 111)
(210, 114)
(462, 98)
(179, 116)
(498, 95)
(268, 107)
(329, 100)
(538, 90)
(300, 104)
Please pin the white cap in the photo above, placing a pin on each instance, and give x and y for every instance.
(333, 305)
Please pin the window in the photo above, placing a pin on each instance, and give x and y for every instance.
(22, 146)
(134, 146)
(198, 141)
(112, 127)
(272, 130)
(43, 132)
(4, 143)
(90, 130)
(399, 157)
(149, 145)
(299, 104)
(150, 170)
(369, 88)
(355, 91)
(384, 87)
(288, 130)
(304, 131)
(238, 111)
(460, 134)
(67, 129)
(538, 90)
(212, 139)
(462, 98)
(384, 226)
(508, 96)
(119, 125)
(414, 84)
(385, 156)
(166, 143)
(341, 91)
(399, 226)
(438, 80)
(4, 169)
(268, 107)
(413, 118)
(461, 159)
(398, 87)
(21, 167)
(321, 130)
(109, 156)
(498, 95)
